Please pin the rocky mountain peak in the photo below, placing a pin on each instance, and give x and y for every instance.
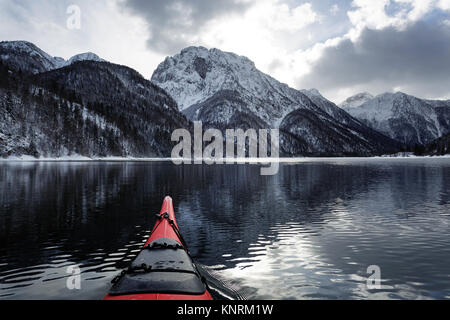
(356, 100)
(197, 73)
(25, 56)
(405, 118)
(225, 90)
(88, 56)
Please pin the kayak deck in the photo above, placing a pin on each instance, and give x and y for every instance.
(163, 270)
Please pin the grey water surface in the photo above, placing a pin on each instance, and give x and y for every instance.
(310, 232)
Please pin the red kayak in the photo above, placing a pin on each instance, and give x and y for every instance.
(163, 270)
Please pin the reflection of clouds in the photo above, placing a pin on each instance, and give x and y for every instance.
(285, 267)
(280, 227)
(309, 232)
(351, 217)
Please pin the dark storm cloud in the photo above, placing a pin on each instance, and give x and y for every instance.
(173, 22)
(417, 60)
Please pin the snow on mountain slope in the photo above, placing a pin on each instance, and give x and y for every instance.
(405, 118)
(225, 90)
(327, 106)
(88, 108)
(88, 56)
(197, 74)
(25, 56)
(356, 100)
(221, 89)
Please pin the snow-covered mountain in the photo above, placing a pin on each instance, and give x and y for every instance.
(198, 74)
(25, 56)
(225, 90)
(405, 118)
(88, 56)
(356, 100)
(87, 107)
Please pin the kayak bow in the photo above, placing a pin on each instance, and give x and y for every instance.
(163, 270)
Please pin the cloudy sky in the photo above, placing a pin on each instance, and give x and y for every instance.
(340, 47)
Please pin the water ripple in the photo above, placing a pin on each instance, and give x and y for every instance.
(311, 232)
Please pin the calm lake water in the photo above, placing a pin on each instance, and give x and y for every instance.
(309, 232)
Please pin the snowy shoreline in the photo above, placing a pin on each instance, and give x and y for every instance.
(246, 160)
(81, 159)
